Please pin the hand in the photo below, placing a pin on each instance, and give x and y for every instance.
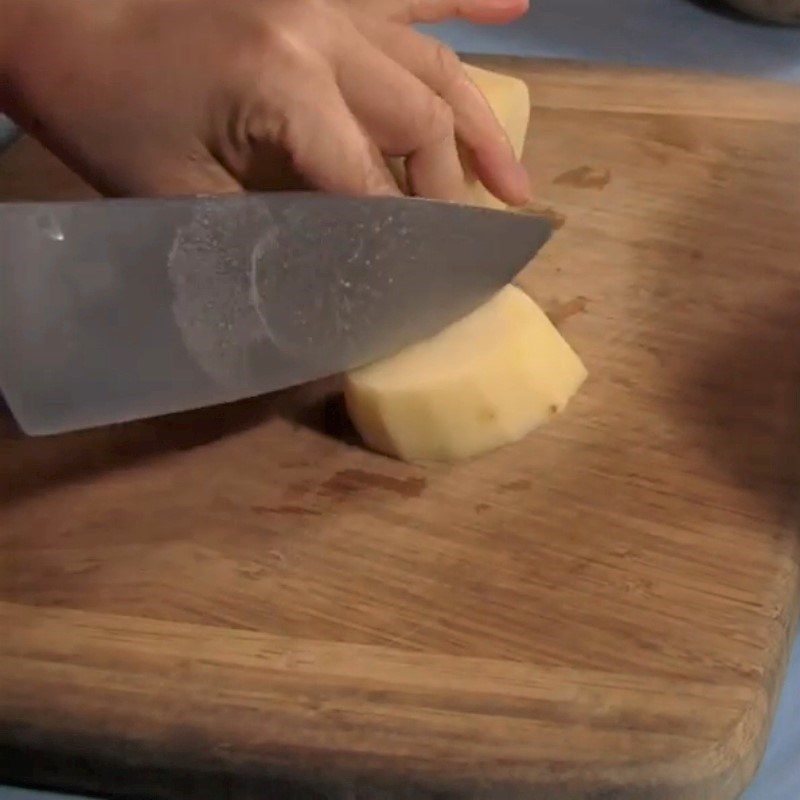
(159, 97)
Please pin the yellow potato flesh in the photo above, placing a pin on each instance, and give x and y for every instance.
(487, 380)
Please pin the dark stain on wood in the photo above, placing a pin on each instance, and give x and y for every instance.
(555, 218)
(667, 250)
(288, 510)
(521, 485)
(347, 482)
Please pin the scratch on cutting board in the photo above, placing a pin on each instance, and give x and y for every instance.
(298, 511)
(584, 178)
(563, 311)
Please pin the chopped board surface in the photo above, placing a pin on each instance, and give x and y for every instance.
(243, 595)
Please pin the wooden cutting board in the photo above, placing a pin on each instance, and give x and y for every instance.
(244, 602)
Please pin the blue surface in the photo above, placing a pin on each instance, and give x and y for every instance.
(779, 776)
(669, 33)
(661, 33)
(6, 131)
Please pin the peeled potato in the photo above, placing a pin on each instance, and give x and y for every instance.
(486, 380)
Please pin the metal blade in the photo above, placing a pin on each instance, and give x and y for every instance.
(117, 309)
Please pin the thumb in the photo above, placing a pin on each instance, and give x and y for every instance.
(487, 12)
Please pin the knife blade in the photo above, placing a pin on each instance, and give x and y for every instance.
(112, 310)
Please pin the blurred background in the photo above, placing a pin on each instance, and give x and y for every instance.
(686, 34)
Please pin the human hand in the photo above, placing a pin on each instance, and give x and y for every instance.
(161, 97)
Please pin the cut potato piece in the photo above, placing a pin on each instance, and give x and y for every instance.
(486, 380)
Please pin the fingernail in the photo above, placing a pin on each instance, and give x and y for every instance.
(522, 184)
(519, 6)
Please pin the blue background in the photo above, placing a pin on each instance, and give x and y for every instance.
(668, 33)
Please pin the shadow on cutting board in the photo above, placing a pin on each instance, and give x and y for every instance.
(324, 412)
(29, 465)
(739, 395)
(111, 773)
(749, 387)
(116, 778)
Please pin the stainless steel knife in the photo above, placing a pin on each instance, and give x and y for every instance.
(112, 310)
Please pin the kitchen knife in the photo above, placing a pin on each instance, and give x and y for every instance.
(112, 310)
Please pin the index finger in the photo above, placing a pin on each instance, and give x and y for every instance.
(476, 125)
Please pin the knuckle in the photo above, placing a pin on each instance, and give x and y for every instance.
(266, 126)
(438, 118)
(446, 63)
(262, 30)
(295, 34)
(283, 44)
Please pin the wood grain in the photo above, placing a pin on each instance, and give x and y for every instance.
(243, 602)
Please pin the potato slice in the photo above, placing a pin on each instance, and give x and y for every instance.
(486, 380)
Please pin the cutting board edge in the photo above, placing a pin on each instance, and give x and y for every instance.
(726, 764)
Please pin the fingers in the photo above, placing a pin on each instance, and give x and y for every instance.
(326, 144)
(405, 118)
(486, 12)
(434, 170)
(476, 127)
